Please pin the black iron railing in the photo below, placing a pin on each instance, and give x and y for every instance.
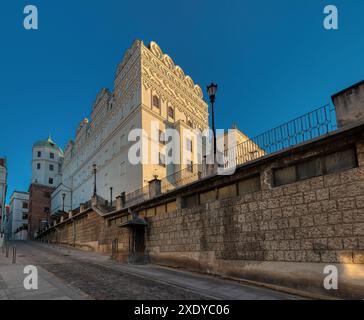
(137, 196)
(302, 129)
(104, 204)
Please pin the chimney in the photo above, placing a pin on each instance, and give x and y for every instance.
(349, 105)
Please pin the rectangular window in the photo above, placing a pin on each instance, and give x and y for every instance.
(208, 196)
(25, 205)
(328, 164)
(25, 216)
(190, 166)
(50, 180)
(51, 155)
(284, 176)
(189, 145)
(170, 112)
(39, 154)
(38, 166)
(249, 185)
(227, 192)
(189, 201)
(309, 169)
(162, 137)
(51, 167)
(156, 102)
(122, 168)
(340, 161)
(162, 159)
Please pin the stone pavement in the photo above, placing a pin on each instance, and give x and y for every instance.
(49, 286)
(101, 278)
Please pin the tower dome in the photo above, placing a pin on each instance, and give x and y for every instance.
(49, 143)
(47, 158)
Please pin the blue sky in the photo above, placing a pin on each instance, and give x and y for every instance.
(273, 61)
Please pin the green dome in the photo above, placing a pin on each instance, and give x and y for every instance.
(48, 143)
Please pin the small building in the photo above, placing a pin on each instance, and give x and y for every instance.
(18, 215)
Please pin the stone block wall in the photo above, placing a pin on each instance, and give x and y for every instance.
(216, 226)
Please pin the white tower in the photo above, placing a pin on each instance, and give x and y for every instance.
(46, 163)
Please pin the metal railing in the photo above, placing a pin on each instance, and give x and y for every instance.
(180, 178)
(302, 129)
(104, 204)
(137, 196)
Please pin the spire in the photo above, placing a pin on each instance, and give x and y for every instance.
(50, 141)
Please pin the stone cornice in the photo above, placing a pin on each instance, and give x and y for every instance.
(173, 77)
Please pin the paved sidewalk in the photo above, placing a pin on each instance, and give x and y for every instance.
(49, 287)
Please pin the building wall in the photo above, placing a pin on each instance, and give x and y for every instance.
(246, 226)
(19, 205)
(39, 208)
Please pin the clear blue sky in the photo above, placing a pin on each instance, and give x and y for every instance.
(273, 61)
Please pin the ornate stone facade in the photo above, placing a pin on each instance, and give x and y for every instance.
(144, 76)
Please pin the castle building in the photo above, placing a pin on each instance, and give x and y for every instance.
(47, 160)
(149, 91)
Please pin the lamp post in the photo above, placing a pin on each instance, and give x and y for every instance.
(94, 172)
(63, 197)
(110, 196)
(211, 90)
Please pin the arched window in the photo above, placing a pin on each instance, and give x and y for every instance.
(170, 112)
(156, 102)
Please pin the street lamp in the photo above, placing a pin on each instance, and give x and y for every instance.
(110, 196)
(94, 172)
(63, 197)
(211, 90)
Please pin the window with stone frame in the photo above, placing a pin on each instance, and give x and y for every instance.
(171, 112)
(189, 145)
(162, 137)
(156, 101)
(189, 166)
(162, 159)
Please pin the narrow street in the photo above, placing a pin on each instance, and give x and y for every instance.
(67, 273)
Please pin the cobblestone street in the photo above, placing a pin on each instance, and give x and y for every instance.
(95, 276)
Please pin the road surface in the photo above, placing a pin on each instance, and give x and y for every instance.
(67, 273)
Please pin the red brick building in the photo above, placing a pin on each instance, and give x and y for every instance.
(39, 208)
